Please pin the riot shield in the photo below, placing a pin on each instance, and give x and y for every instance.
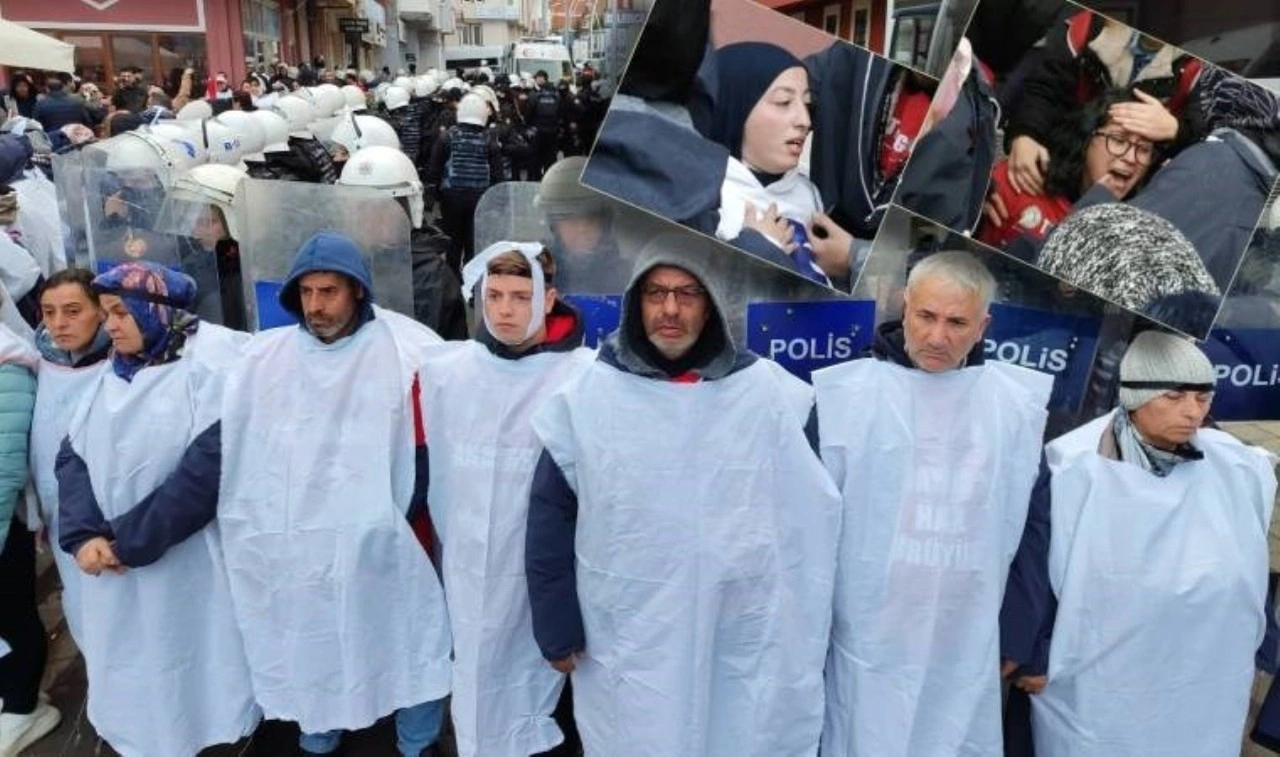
(206, 250)
(1038, 321)
(595, 239)
(68, 180)
(280, 216)
(126, 181)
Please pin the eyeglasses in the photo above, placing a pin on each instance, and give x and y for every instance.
(1119, 146)
(685, 296)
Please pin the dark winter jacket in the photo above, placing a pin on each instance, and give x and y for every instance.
(437, 293)
(852, 90)
(946, 179)
(58, 109)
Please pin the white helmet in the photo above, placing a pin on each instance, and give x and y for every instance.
(222, 142)
(182, 136)
(396, 98)
(486, 72)
(253, 137)
(473, 110)
(212, 184)
(489, 96)
(354, 97)
(329, 100)
(387, 169)
(423, 86)
(274, 128)
(455, 83)
(298, 113)
(356, 132)
(134, 151)
(403, 82)
(196, 110)
(513, 80)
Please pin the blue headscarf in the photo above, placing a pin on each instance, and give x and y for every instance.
(157, 298)
(745, 71)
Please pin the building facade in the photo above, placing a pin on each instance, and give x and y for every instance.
(862, 22)
(211, 36)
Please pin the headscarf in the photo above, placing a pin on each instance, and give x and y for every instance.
(158, 299)
(745, 72)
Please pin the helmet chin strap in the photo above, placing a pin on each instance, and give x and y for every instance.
(477, 271)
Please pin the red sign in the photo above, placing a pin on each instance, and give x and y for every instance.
(125, 15)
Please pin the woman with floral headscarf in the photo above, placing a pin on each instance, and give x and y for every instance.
(166, 667)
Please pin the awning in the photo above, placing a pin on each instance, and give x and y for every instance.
(21, 47)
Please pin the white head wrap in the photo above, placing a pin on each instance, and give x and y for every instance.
(478, 271)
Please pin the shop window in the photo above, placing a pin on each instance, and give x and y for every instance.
(134, 50)
(178, 52)
(91, 57)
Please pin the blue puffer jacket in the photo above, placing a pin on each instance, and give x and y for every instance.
(17, 401)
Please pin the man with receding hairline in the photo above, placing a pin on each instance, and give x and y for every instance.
(936, 452)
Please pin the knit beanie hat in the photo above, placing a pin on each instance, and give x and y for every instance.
(1158, 362)
(1126, 255)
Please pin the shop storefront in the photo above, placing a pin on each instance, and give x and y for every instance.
(161, 38)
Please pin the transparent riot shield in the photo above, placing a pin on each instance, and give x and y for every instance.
(68, 180)
(206, 250)
(1037, 321)
(280, 216)
(595, 240)
(126, 181)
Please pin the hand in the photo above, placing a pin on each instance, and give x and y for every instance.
(1007, 667)
(772, 225)
(115, 205)
(95, 556)
(995, 210)
(830, 244)
(1031, 684)
(1148, 119)
(1028, 161)
(566, 665)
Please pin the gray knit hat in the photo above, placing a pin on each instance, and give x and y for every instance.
(1157, 362)
(1126, 255)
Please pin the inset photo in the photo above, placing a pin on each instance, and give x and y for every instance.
(761, 131)
(1063, 125)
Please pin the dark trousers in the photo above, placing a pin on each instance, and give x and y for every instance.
(548, 149)
(20, 626)
(458, 220)
(563, 715)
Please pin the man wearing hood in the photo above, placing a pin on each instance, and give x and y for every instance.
(343, 615)
(478, 398)
(936, 453)
(680, 550)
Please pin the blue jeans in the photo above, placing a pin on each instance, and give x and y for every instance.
(417, 728)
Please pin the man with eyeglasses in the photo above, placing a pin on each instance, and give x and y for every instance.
(940, 587)
(1158, 566)
(681, 540)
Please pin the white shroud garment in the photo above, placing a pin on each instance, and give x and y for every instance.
(705, 551)
(936, 471)
(342, 613)
(165, 661)
(59, 390)
(1161, 586)
(483, 452)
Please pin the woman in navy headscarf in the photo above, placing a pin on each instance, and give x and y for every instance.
(165, 661)
(762, 117)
